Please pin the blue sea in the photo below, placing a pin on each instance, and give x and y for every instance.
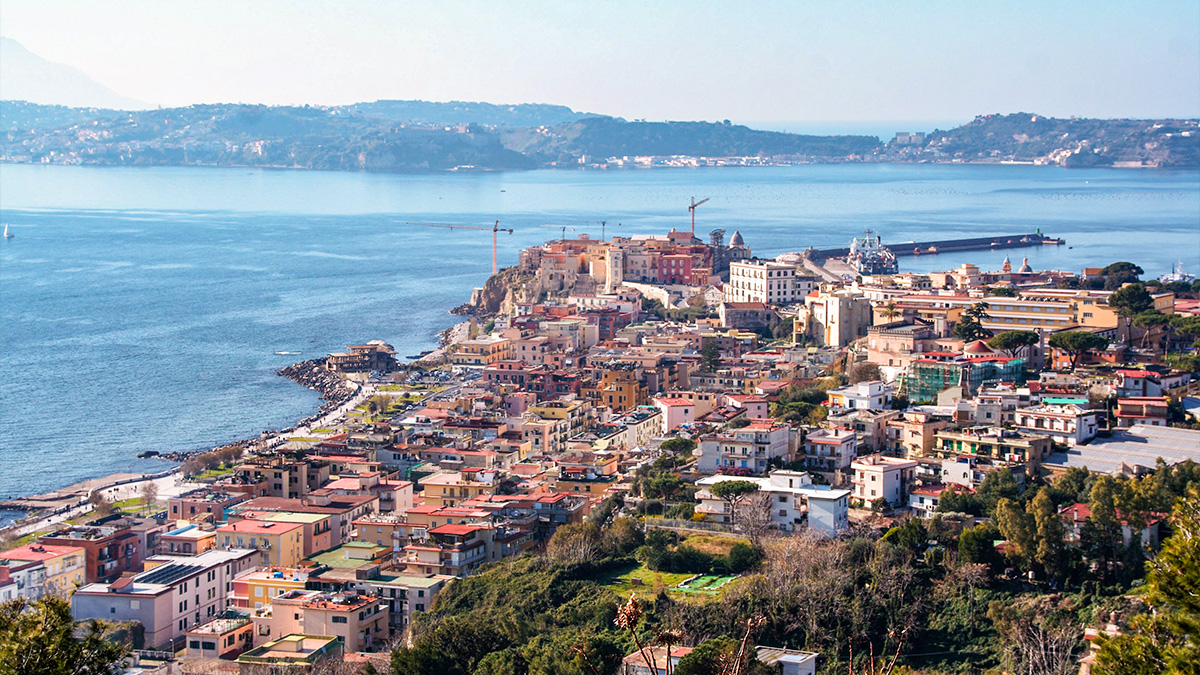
(147, 308)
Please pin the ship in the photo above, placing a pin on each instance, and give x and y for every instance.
(1177, 274)
(868, 255)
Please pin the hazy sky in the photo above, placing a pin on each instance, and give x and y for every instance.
(808, 60)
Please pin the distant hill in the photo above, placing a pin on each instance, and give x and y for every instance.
(400, 136)
(1074, 142)
(25, 76)
(466, 112)
(252, 135)
(602, 137)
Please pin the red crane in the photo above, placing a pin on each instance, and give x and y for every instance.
(494, 229)
(692, 210)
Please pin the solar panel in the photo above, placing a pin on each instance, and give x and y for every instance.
(168, 573)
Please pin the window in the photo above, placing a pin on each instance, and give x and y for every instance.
(339, 619)
(135, 604)
(193, 644)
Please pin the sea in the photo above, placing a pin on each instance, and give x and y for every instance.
(149, 308)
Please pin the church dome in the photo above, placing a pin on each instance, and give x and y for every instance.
(736, 239)
(1025, 268)
(978, 348)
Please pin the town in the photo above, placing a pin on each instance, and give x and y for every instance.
(667, 424)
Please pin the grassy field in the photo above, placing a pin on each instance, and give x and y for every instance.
(651, 581)
(714, 544)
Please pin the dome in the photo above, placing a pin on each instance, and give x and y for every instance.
(1025, 268)
(736, 239)
(978, 348)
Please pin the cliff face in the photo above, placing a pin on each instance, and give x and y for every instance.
(501, 292)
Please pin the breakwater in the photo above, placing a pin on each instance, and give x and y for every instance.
(906, 248)
(313, 374)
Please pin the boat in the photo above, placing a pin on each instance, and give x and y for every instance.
(7, 234)
(1177, 274)
(868, 255)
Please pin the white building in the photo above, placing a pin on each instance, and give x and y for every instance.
(774, 283)
(876, 476)
(171, 596)
(923, 501)
(869, 395)
(21, 579)
(1069, 423)
(791, 497)
(749, 447)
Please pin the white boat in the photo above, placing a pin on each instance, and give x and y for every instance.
(7, 234)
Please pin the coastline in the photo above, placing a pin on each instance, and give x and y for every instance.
(339, 396)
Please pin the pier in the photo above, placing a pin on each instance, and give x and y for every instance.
(907, 248)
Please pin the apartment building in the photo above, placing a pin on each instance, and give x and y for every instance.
(767, 281)
(1068, 424)
(880, 477)
(255, 587)
(65, 566)
(342, 510)
(453, 487)
(359, 619)
(21, 579)
(868, 395)
(1151, 410)
(830, 453)
(833, 317)
(109, 551)
(994, 444)
(173, 595)
(750, 447)
(192, 505)
(913, 432)
(482, 351)
(278, 544)
(283, 477)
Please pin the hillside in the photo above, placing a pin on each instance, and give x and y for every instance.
(246, 135)
(403, 136)
(608, 137)
(1074, 142)
(467, 112)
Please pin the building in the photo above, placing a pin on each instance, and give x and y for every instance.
(913, 432)
(482, 351)
(173, 595)
(21, 579)
(292, 653)
(868, 395)
(1076, 515)
(676, 411)
(928, 377)
(880, 477)
(1069, 424)
(278, 544)
(358, 619)
(375, 355)
(109, 550)
(770, 282)
(746, 315)
(994, 444)
(65, 566)
(256, 587)
(791, 498)
(1130, 451)
(830, 452)
(187, 540)
(453, 487)
(342, 510)
(751, 447)
(833, 317)
(281, 476)
(1149, 410)
(221, 638)
(923, 501)
(191, 505)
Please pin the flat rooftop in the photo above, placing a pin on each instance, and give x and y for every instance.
(1138, 446)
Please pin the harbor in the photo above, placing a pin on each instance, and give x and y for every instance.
(911, 248)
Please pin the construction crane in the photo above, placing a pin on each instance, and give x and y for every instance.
(564, 229)
(692, 210)
(495, 229)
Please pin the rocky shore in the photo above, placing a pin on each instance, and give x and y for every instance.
(313, 374)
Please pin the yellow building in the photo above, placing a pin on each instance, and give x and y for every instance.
(482, 351)
(453, 487)
(279, 544)
(65, 565)
(254, 589)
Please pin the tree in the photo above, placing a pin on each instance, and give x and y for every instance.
(678, 446)
(1148, 321)
(733, 492)
(38, 638)
(1018, 528)
(1129, 301)
(1122, 267)
(970, 323)
(149, 494)
(863, 372)
(1039, 635)
(1050, 550)
(1014, 342)
(100, 504)
(1077, 343)
(890, 311)
(1164, 641)
(997, 484)
(710, 355)
(976, 545)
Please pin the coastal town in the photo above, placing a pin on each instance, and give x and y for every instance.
(676, 413)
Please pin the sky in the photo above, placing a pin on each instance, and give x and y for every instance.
(760, 61)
